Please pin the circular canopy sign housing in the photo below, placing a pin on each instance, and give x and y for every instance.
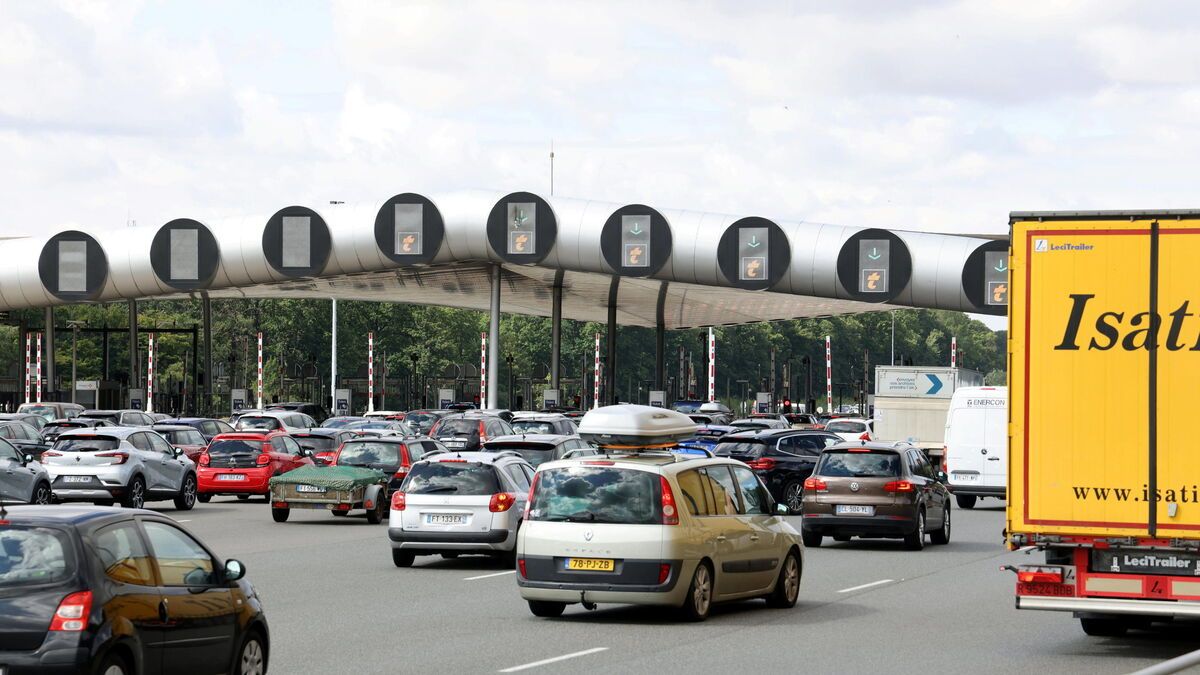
(73, 266)
(185, 255)
(296, 242)
(985, 278)
(754, 254)
(521, 228)
(636, 241)
(409, 229)
(874, 265)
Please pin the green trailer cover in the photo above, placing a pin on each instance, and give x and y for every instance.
(331, 477)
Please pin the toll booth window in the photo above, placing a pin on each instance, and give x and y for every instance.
(72, 266)
(753, 245)
(635, 241)
(296, 242)
(409, 227)
(522, 226)
(185, 255)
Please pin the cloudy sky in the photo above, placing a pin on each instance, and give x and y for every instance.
(935, 115)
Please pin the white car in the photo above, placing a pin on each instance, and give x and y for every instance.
(275, 420)
(852, 428)
(652, 527)
(975, 459)
(130, 464)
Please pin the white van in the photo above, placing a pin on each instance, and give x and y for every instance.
(975, 459)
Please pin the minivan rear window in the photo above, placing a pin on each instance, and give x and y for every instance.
(31, 556)
(593, 494)
(234, 447)
(317, 443)
(451, 478)
(846, 464)
(86, 444)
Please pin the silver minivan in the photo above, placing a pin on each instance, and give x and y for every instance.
(654, 528)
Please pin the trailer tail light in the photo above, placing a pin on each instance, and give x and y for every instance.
(1039, 575)
(117, 457)
(398, 501)
(764, 464)
(72, 613)
(898, 486)
(817, 484)
(501, 502)
(670, 516)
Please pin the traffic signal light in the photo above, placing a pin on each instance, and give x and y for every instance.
(787, 406)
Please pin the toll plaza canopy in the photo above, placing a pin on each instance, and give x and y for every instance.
(659, 267)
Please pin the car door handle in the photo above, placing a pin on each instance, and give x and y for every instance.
(993, 459)
(754, 537)
(720, 538)
(162, 610)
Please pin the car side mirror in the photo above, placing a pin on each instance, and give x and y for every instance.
(234, 570)
(782, 510)
(25, 459)
(177, 451)
(941, 476)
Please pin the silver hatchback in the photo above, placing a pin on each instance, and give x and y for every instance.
(133, 465)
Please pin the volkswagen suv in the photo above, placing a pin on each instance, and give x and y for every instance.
(134, 465)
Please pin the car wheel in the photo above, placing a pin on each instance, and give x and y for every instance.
(103, 502)
(699, 596)
(965, 501)
(449, 556)
(252, 657)
(42, 494)
(811, 539)
(793, 496)
(187, 494)
(243, 498)
(204, 499)
(942, 536)
(1104, 627)
(401, 558)
(546, 609)
(787, 587)
(915, 540)
(842, 537)
(376, 515)
(135, 494)
(113, 664)
(280, 515)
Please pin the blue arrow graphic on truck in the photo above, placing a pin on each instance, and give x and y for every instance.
(936, 383)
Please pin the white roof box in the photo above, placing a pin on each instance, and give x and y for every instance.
(635, 426)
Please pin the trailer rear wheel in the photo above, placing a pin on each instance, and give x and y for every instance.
(1104, 627)
(280, 515)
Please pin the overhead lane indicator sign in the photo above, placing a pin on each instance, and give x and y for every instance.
(522, 228)
(409, 224)
(635, 240)
(753, 256)
(874, 264)
(995, 275)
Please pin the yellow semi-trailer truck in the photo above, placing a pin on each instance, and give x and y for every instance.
(1104, 380)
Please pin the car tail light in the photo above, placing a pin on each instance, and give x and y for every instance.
(815, 484)
(117, 457)
(764, 464)
(866, 436)
(72, 612)
(263, 459)
(858, 448)
(401, 473)
(453, 461)
(482, 434)
(944, 464)
(501, 502)
(1033, 575)
(521, 567)
(599, 463)
(398, 501)
(204, 459)
(51, 453)
(529, 501)
(898, 486)
(664, 572)
(670, 516)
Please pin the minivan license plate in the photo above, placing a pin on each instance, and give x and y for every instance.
(854, 510)
(590, 564)
(445, 519)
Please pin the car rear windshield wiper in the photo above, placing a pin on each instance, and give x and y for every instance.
(439, 488)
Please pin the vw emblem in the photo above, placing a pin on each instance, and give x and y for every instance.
(587, 534)
(854, 486)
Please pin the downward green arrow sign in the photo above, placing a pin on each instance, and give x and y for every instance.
(636, 229)
(874, 254)
(1001, 267)
(754, 242)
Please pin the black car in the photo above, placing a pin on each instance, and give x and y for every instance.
(208, 428)
(323, 442)
(35, 421)
(108, 590)
(54, 428)
(782, 458)
(468, 431)
(26, 439)
(389, 454)
(423, 420)
(539, 448)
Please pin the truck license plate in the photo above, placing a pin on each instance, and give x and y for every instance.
(964, 477)
(854, 510)
(310, 488)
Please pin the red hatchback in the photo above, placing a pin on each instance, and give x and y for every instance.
(242, 463)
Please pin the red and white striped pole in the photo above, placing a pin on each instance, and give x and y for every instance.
(39, 367)
(260, 371)
(954, 352)
(712, 366)
(28, 366)
(370, 372)
(596, 392)
(483, 383)
(150, 372)
(828, 377)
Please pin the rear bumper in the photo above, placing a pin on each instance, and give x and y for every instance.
(878, 526)
(1000, 491)
(1160, 608)
(419, 542)
(626, 586)
(58, 654)
(208, 484)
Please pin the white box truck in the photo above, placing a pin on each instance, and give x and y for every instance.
(911, 403)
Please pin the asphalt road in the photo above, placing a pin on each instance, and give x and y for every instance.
(336, 603)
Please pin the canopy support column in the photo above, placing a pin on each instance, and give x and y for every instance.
(493, 364)
(209, 376)
(610, 368)
(133, 346)
(660, 330)
(556, 330)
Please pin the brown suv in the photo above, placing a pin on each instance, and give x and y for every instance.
(876, 490)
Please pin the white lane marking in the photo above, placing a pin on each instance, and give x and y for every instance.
(184, 521)
(859, 588)
(489, 576)
(556, 659)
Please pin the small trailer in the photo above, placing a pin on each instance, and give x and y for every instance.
(339, 489)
